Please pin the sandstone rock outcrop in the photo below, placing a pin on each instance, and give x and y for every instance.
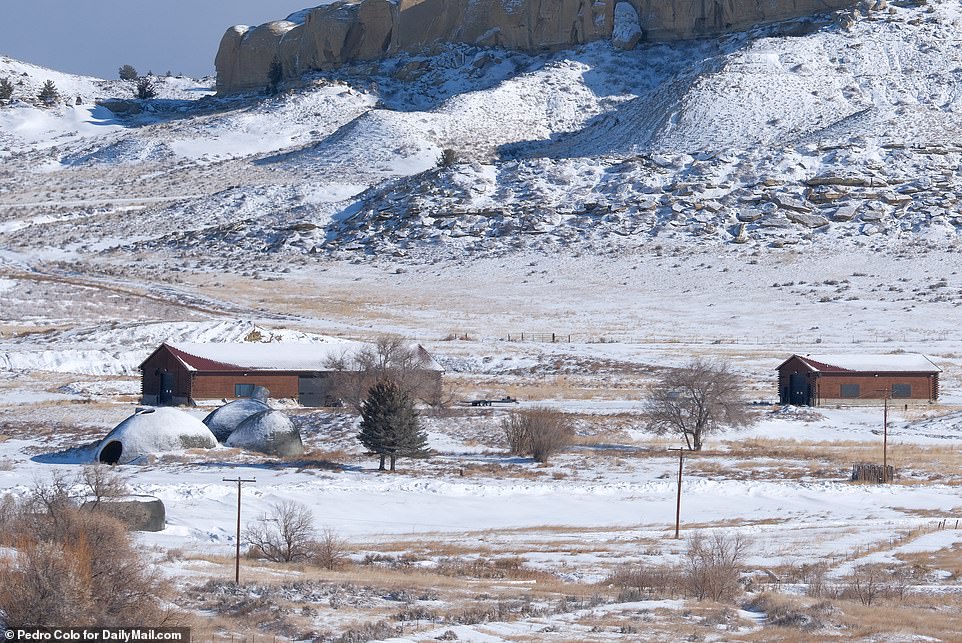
(358, 30)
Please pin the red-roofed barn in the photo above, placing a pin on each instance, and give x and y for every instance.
(815, 380)
(186, 373)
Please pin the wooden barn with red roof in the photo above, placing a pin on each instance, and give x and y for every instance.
(816, 380)
(177, 374)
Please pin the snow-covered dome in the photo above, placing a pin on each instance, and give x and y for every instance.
(154, 430)
(223, 421)
(269, 432)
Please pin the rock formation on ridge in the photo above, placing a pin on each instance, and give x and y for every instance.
(356, 30)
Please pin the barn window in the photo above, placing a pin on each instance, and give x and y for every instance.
(851, 390)
(901, 390)
(243, 390)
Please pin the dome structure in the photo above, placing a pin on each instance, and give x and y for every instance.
(153, 430)
(225, 420)
(269, 432)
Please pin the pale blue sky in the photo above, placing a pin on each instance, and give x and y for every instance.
(96, 37)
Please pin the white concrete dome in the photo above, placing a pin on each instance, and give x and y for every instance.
(153, 430)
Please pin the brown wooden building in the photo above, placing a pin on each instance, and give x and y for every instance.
(815, 380)
(177, 374)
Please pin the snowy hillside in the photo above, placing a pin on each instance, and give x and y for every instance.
(816, 131)
(557, 229)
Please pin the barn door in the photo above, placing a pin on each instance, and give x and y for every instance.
(311, 391)
(799, 392)
(166, 396)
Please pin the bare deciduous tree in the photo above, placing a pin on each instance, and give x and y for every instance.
(442, 398)
(713, 565)
(696, 400)
(865, 583)
(390, 358)
(285, 534)
(538, 432)
(329, 551)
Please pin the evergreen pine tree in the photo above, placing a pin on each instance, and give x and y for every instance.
(6, 89)
(390, 426)
(127, 72)
(145, 88)
(49, 95)
(275, 74)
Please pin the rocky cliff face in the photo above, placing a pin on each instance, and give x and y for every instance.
(353, 30)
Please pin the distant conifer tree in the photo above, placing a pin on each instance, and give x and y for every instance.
(275, 74)
(127, 72)
(390, 426)
(49, 95)
(145, 88)
(6, 89)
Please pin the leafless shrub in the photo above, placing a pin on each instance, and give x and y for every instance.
(103, 482)
(813, 575)
(720, 617)
(370, 632)
(486, 568)
(285, 534)
(43, 587)
(515, 428)
(698, 399)
(712, 565)
(329, 551)
(901, 578)
(865, 583)
(641, 581)
(9, 511)
(538, 432)
(442, 399)
(870, 582)
(72, 566)
(50, 497)
(790, 612)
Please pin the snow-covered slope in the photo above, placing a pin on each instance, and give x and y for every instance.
(816, 131)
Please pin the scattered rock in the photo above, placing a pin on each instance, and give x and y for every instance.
(807, 220)
(791, 203)
(627, 28)
(845, 213)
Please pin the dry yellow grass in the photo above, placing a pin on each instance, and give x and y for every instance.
(948, 559)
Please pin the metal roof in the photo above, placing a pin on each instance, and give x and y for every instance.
(273, 356)
(868, 363)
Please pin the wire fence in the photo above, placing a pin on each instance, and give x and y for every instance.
(879, 338)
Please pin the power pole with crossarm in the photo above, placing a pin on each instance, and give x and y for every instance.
(239, 482)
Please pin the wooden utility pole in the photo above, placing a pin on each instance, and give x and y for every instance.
(681, 462)
(885, 434)
(239, 482)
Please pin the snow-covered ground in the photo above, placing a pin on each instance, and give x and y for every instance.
(743, 198)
